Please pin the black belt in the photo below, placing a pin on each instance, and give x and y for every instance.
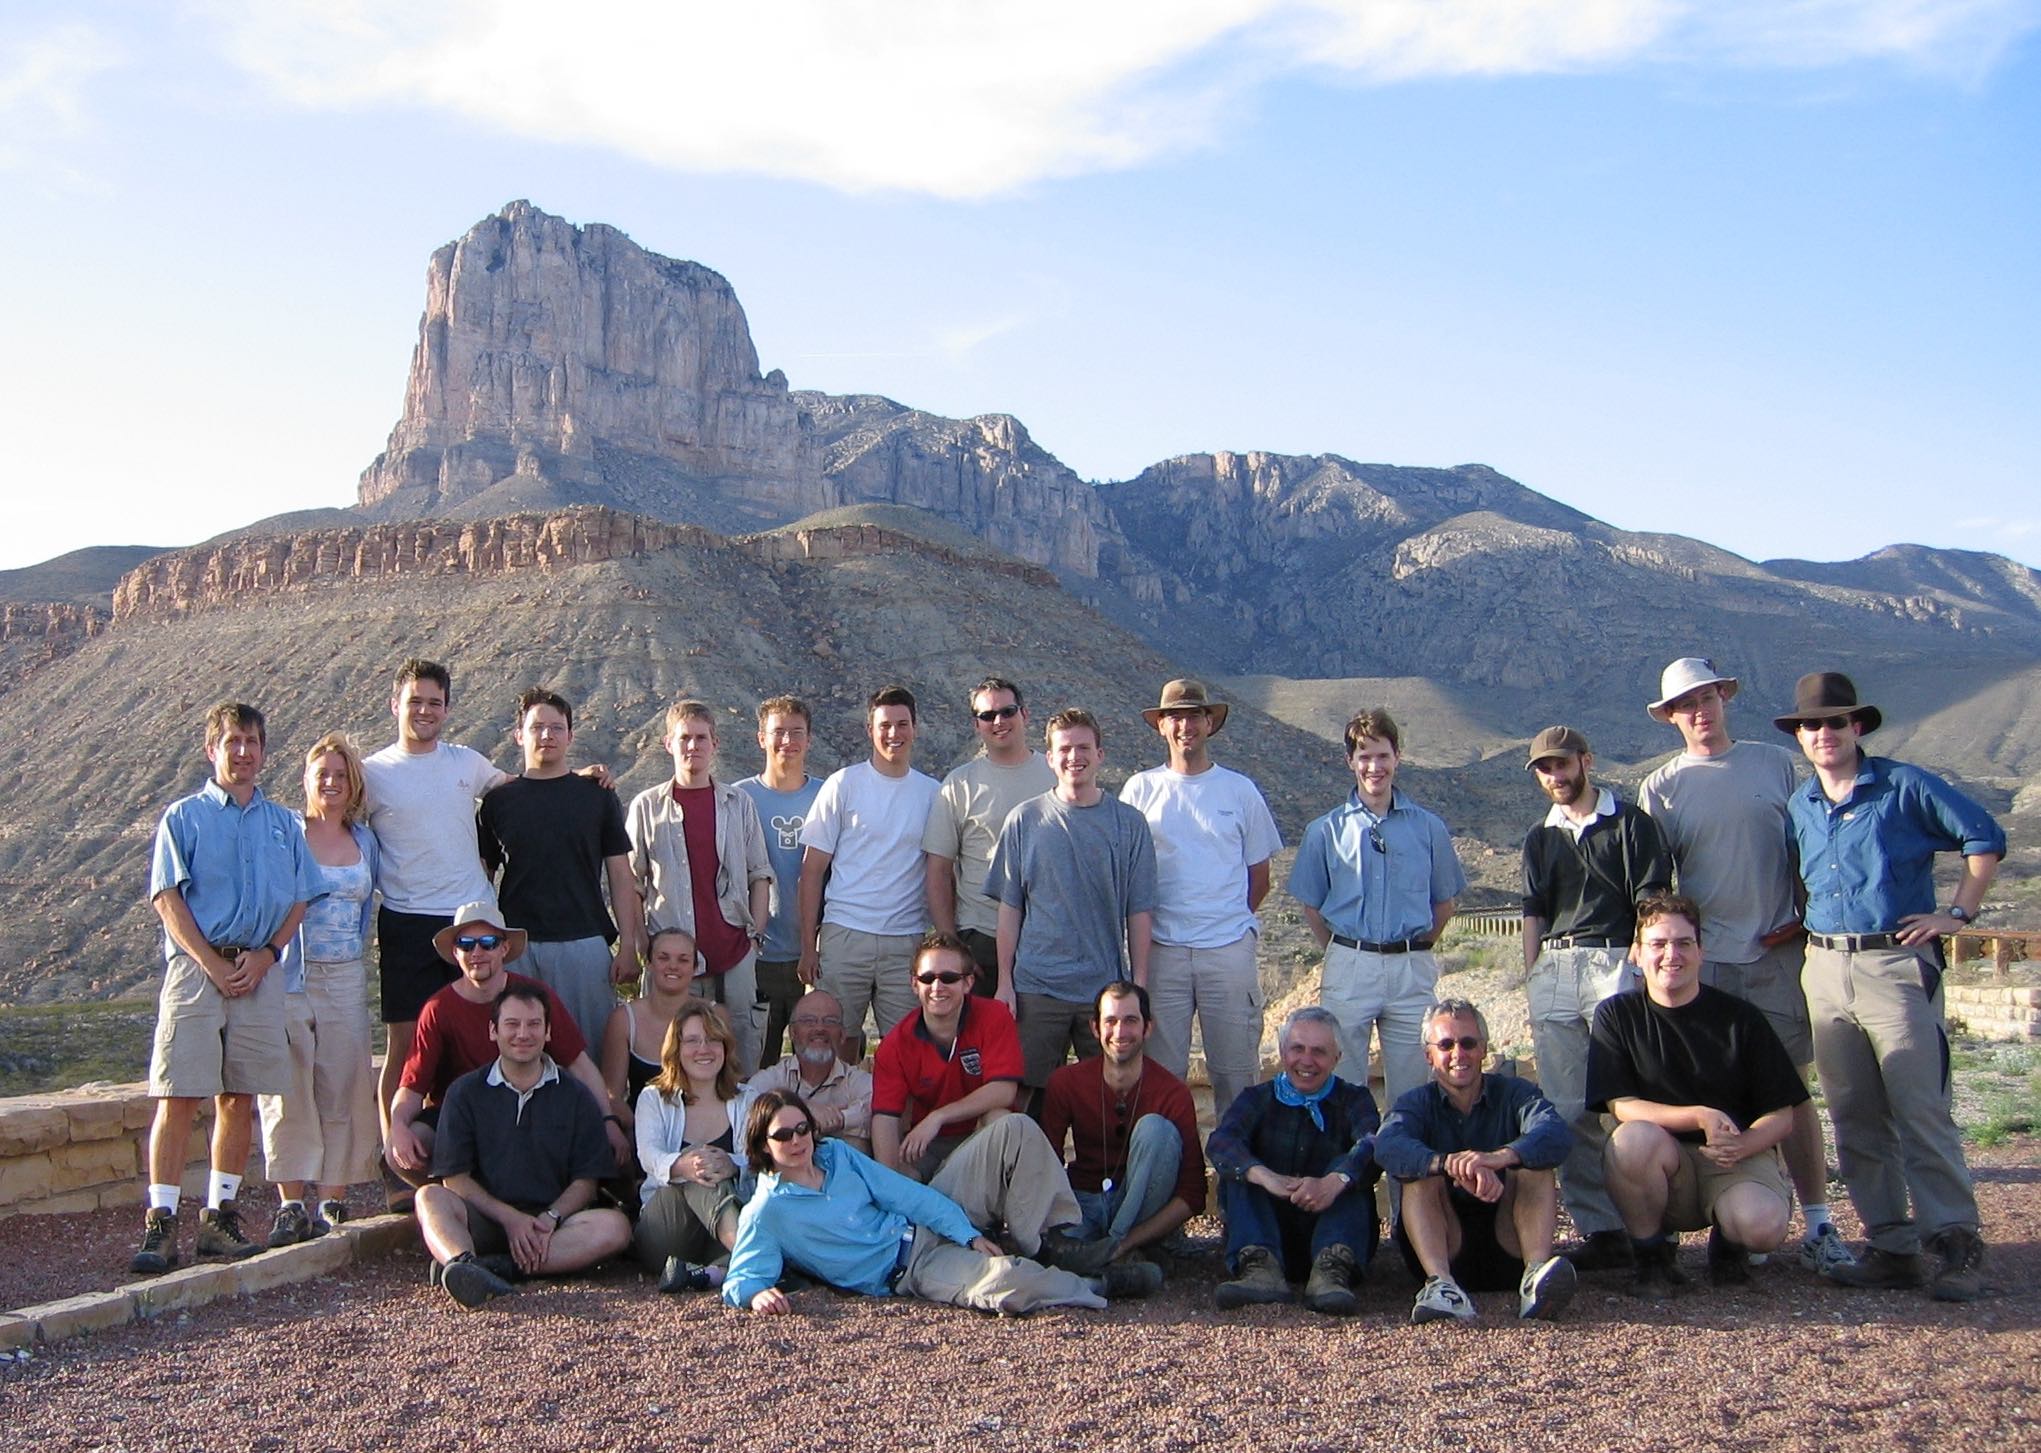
(900, 1264)
(1400, 946)
(230, 951)
(1576, 941)
(1853, 943)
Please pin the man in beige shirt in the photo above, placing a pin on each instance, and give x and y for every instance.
(839, 1094)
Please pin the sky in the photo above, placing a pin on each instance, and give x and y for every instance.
(1764, 272)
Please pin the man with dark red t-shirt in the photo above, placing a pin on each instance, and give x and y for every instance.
(698, 853)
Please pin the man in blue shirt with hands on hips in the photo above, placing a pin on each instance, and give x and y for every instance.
(1868, 829)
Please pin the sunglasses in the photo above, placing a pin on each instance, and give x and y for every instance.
(1375, 839)
(790, 1132)
(997, 713)
(945, 976)
(1468, 1042)
(1816, 723)
(473, 941)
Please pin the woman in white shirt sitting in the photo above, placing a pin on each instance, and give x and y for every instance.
(687, 1145)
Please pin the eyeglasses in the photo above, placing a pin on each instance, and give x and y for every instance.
(469, 942)
(944, 976)
(789, 1132)
(1660, 945)
(1468, 1042)
(824, 1021)
(997, 713)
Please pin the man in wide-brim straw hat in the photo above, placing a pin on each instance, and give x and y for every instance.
(1868, 830)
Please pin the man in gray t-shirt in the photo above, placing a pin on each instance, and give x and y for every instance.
(1074, 877)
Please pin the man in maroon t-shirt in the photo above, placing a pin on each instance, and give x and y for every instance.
(698, 852)
(1138, 1171)
(453, 1037)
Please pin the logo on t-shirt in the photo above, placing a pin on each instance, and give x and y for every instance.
(973, 1064)
(789, 829)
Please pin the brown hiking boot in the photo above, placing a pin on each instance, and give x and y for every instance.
(1330, 1289)
(1961, 1278)
(1879, 1270)
(1658, 1272)
(1258, 1280)
(219, 1233)
(159, 1243)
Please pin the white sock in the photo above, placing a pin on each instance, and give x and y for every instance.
(1816, 1217)
(299, 1203)
(221, 1189)
(163, 1198)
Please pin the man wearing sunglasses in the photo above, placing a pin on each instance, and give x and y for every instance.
(1586, 865)
(838, 1094)
(1868, 830)
(963, 825)
(1476, 1154)
(453, 1037)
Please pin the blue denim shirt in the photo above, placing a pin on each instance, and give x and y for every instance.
(1508, 1112)
(1869, 860)
(241, 869)
(1380, 895)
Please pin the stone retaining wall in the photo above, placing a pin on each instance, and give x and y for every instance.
(78, 1150)
(1996, 1013)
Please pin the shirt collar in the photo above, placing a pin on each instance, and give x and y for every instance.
(214, 793)
(549, 1073)
(1397, 802)
(921, 1023)
(1605, 806)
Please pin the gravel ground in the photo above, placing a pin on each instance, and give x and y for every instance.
(372, 1358)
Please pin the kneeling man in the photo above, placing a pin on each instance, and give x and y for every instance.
(1296, 1165)
(519, 1151)
(1704, 1093)
(1478, 1155)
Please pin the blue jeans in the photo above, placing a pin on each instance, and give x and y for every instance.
(1256, 1218)
(1154, 1156)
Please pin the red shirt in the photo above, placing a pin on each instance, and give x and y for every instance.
(721, 943)
(912, 1075)
(1077, 1103)
(453, 1038)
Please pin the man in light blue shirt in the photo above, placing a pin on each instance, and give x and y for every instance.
(1378, 879)
(783, 791)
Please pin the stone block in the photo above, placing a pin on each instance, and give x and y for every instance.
(24, 1178)
(380, 1235)
(15, 1331)
(92, 1163)
(292, 1264)
(30, 1124)
(138, 1112)
(95, 1117)
(190, 1286)
(93, 1312)
(83, 1200)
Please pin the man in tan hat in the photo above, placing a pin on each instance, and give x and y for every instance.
(964, 822)
(1720, 805)
(1868, 830)
(453, 1037)
(1586, 866)
(1214, 837)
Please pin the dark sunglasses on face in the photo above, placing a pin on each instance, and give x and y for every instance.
(1466, 1041)
(790, 1132)
(473, 941)
(945, 976)
(997, 713)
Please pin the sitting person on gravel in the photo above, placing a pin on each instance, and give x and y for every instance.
(519, 1151)
(839, 1092)
(829, 1212)
(1478, 1155)
(687, 1121)
(1296, 1166)
(1703, 1091)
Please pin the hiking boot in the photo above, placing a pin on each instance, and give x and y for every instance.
(1062, 1248)
(1128, 1280)
(470, 1283)
(219, 1233)
(1728, 1263)
(1603, 1251)
(1546, 1289)
(329, 1215)
(1961, 1278)
(1658, 1273)
(1330, 1289)
(684, 1276)
(292, 1225)
(1879, 1270)
(159, 1243)
(1439, 1299)
(1825, 1250)
(1258, 1280)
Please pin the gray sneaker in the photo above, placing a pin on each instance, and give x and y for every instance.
(1440, 1299)
(1825, 1251)
(1546, 1289)
(219, 1233)
(159, 1243)
(292, 1225)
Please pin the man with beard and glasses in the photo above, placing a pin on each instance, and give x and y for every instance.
(838, 1094)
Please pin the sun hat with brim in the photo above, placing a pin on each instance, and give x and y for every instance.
(1556, 741)
(1689, 673)
(1185, 694)
(1823, 696)
(480, 914)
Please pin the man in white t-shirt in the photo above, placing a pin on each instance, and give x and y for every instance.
(1720, 805)
(1214, 837)
(964, 824)
(864, 834)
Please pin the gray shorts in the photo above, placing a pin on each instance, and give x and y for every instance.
(208, 1044)
(1773, 984)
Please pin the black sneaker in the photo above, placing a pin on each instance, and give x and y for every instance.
(1961, 1277)
(684, 1276)
(292, 1225)
(159, 1243)
(219, 1233)
(470, 1283)
(1658, 1272)
(1728, 1263)
(1603, 1251)
(1127, 1280)
(329, 1215)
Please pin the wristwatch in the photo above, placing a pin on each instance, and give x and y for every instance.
(1958, 912)
(552, 1215)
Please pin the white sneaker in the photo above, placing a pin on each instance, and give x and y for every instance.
(1442, 1298)
(1825, 1251)
(1546, 1288)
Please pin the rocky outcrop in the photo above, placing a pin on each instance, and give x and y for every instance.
(50, 622)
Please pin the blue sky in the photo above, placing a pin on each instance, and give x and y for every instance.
(1764, 273)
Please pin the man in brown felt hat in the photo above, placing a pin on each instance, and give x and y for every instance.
(1868, 830)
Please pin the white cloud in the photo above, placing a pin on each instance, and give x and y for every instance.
(43, 77)
(962, 99)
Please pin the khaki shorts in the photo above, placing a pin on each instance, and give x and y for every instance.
(208, 1044)
(1699, 1183)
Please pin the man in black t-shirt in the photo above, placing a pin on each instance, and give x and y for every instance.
(1703, 1092)
(552, 836)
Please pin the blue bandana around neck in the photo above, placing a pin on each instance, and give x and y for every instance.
(1289, 1094)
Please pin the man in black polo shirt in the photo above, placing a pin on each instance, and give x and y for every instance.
(1585, 866)
(1704, 1092)
(519, 1152)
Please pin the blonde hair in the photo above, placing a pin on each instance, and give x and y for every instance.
(337, 744)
